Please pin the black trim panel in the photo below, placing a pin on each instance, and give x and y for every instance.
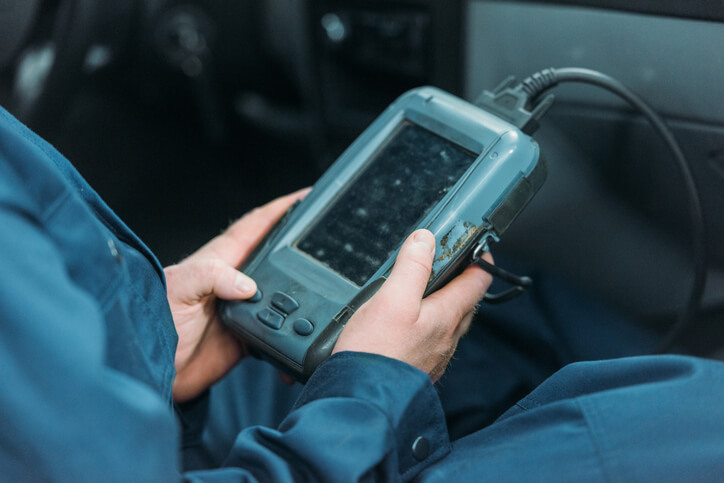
(696, 9)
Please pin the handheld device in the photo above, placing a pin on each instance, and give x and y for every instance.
(430, 160)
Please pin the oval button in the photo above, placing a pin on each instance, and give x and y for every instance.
(303, 327)
(258, 295)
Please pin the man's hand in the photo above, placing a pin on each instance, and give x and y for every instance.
(206, 351)
(398, 323)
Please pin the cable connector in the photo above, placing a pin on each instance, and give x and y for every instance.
(511, 101)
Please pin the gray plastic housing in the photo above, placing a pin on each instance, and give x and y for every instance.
(507, 171)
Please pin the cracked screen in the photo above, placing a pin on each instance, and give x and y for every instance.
(404, 180)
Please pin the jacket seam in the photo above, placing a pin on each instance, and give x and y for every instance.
(594, 439)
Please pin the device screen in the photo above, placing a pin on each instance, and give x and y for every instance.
(407, 176)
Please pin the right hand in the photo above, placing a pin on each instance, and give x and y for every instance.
(398, 323)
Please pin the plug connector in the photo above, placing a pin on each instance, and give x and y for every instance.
(511, 101)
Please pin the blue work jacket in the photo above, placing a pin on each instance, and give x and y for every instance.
(86, 364)
(87, 346)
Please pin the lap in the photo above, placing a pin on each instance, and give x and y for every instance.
(252, 394)
(654, 418)
(513, 347)
(509, 351)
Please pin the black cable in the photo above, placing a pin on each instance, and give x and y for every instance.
(537, 84)
(496, 271)
(519, 283)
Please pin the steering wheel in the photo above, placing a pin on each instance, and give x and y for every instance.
(48, 51)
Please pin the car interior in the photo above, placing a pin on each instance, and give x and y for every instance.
(185, 114)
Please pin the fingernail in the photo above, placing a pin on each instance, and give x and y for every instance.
(243, 284)
(425, 238)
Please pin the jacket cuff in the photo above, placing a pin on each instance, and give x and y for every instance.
(400, 391)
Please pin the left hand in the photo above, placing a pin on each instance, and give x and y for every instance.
(206, 351)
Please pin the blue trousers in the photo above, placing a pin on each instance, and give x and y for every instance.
(520, 406)
(510, 350)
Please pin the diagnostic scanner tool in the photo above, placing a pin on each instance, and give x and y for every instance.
(430, 160)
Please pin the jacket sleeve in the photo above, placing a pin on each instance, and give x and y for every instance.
(360, 417)
(73, 418)
(67, 416)
(64, 414)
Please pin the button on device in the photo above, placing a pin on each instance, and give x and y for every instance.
(420, 448)
(303, 327)
(258, 295)
(284, 302)
(270, 318)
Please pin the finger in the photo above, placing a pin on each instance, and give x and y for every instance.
(462, 329)
(235, 244)
(411, 271)
(466, 290)
(221, 352)
(197, 279)
(460, 296)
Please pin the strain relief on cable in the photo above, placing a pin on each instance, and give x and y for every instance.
(540, 81)
(510, 101)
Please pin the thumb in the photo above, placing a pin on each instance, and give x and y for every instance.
(194, 280)
(411, 271)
